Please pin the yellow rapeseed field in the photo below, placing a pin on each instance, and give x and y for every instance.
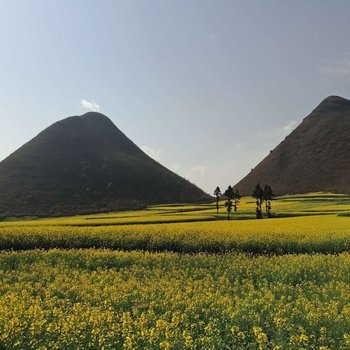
(91, 299)
(180, 277)
(309, 234)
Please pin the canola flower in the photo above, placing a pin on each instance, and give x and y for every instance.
(285, 206)
(100, 299)
(315, 234)
(106, 299)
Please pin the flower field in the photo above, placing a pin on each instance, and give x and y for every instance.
(309, 234)
(77, 283)
(91, 299)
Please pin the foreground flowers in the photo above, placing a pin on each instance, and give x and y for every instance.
(93, 299)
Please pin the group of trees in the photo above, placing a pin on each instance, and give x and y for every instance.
(262, 195)
(232, 199)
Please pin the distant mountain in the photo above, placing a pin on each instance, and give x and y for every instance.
(314, 157)
(85, 164)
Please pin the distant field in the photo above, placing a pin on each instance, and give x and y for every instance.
(310, 234)
(286, 206)
(180, 277)
(303, 224)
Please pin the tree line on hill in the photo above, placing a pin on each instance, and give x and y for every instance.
(232, 196)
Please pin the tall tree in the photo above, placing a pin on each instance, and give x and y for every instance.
(228, 205)
(229, 193)
(236, 200)
(268, 197)
(258, 194)
(217, 194)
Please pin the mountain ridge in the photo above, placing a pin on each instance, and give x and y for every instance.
(313, 157)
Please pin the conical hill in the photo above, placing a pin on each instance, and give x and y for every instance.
(85, 164)
(314, 157)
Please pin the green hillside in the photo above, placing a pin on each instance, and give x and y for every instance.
(85, 164)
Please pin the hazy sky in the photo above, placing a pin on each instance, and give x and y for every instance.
(205, 87)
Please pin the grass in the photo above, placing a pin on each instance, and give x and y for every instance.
(286, 206)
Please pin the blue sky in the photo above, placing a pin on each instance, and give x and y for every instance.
(205, 87)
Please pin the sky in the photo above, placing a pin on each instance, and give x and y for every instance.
(207, 88)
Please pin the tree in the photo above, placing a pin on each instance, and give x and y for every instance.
(228, 205)
(268, 197)
(230, 194)
(217, 194)
(258, 194)
(237, 198)
(233, 198)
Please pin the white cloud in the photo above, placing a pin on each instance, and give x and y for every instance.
(191, 173)
(280, 132)
(339, 69)
(197, 170)
(175, 167)
(196, 173)
(90, 105)
(290, 126)
(156, 154)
